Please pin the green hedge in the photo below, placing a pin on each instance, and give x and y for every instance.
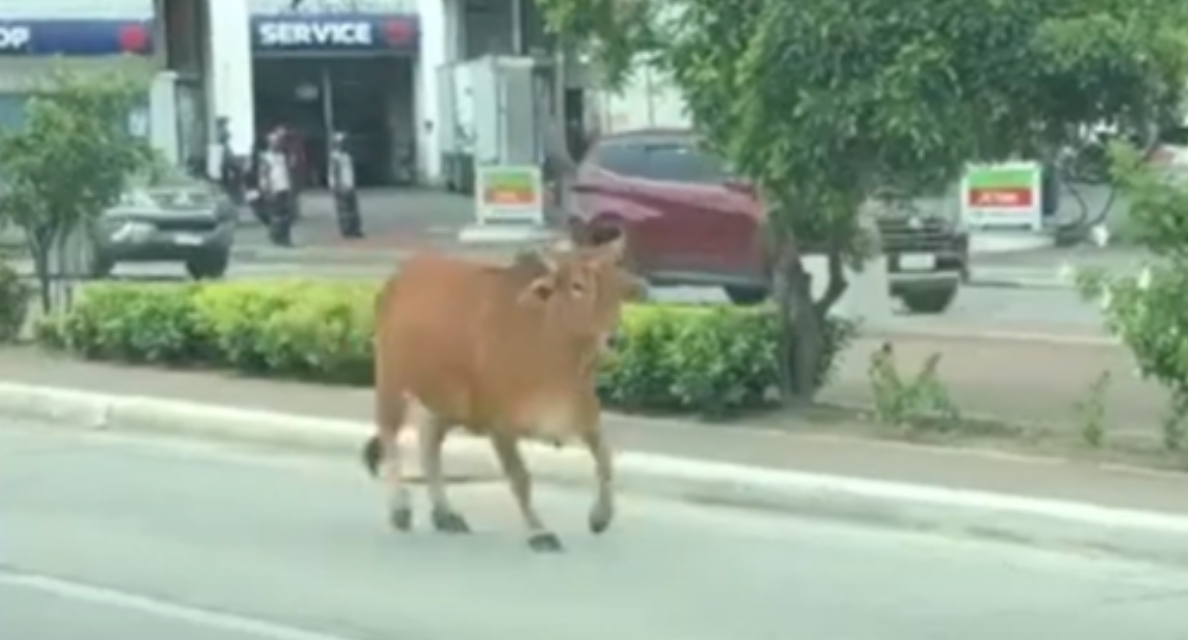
(702, 359)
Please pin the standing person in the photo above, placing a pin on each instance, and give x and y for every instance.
(341, 179)
(276, 189)
(254, 178)
(230, 170)
(293, 146)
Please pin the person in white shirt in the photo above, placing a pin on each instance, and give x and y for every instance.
(276, 189)
(341, 176)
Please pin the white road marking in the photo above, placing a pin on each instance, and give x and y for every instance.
(79, 592)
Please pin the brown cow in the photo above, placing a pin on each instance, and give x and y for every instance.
(507, 352)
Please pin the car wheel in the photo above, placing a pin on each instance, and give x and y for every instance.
(208, 266)
(930, 301)
(746, 296)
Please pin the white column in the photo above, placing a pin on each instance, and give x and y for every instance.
(435, 51)
(229, 87)
(163, 121)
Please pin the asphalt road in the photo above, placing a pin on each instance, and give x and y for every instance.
(117, 538)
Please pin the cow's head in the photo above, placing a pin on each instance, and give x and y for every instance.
(582, 290)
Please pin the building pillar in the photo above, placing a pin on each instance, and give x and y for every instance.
(436, 50)
(163, 116)
(228, 69)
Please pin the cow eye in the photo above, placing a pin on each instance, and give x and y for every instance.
(578, 288)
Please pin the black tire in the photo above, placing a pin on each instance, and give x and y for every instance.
(747, 296)
(931, 301)
(208, 266)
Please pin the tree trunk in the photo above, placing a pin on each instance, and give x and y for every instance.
(60, 271)
(808, 342)
(782, 288)
(68, 266)
(40, 243)
(41, 269)
(803, 321)
(801, 338)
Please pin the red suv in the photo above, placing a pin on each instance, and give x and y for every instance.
(690, 222)
(687, 220)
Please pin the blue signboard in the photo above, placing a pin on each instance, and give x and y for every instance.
(334, 32)
(75, 37)
(293, 33)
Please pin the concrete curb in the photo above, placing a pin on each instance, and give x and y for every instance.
(371, 257)
(1048, 523)
(349, 257)
(1040, 284)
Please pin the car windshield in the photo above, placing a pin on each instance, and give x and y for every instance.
(163, 187)
(668, 159)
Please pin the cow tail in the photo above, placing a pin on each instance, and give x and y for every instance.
(372, 453)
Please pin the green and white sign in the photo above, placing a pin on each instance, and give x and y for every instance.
(1002, 196)
(509, 194)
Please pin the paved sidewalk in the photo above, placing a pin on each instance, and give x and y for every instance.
(780, 448)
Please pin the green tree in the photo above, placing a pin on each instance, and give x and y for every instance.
(1146, 310)
(69, 162)
(829, 104)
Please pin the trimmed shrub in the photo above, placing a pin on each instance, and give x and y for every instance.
(14, 303)
(672, 358)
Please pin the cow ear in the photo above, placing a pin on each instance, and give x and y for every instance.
(540, 290)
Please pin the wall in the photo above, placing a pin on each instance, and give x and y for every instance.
(647, 100)
(487, 28)
(76, 9)
(20, 76)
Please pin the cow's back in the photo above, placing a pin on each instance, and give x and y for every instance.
(442, 324)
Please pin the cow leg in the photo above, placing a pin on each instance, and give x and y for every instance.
(507, 448)
(432, 434)
(603, 510)
(390, 413)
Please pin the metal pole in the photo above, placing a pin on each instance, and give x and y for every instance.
(328, 116)
(517, 15)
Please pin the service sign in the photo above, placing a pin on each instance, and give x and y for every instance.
(322, 33)
(315, 34)
(1003, 196)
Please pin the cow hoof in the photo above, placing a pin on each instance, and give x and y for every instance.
(545, 542)
(447, 521)
(599, 523)
(601, 516)
(401, 519)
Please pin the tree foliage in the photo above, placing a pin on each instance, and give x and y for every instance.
(827, 104)
(70, 160)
